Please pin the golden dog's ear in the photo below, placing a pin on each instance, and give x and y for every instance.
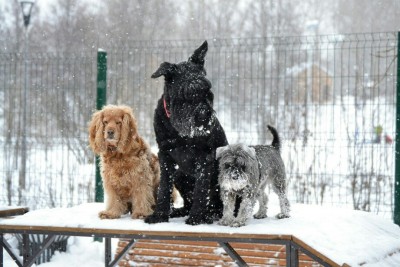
(128, 132)
(96, 133)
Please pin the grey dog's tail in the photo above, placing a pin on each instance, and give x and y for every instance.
(276, 142)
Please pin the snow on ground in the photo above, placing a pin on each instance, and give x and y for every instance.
(82, 251)
(343, 235)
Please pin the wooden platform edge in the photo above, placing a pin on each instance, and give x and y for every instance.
(144, 234)
(304, 245)
(13, 212)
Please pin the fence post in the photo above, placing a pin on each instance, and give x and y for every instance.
(100, 102)
(396, 215)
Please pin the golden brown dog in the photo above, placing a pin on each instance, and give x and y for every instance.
(130, 171)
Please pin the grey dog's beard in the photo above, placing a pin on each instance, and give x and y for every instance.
(230, 184)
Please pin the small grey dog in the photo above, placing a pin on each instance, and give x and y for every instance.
(244, 172)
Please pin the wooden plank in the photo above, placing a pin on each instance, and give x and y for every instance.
(263, 254)
(178, 261)
(179, 242)
(175, 247)
(251, 249)
(177, 254)
(252, 246)
(13, 211)
(259, 246)
(315, 252)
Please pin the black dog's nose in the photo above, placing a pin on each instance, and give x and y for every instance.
(203, 114)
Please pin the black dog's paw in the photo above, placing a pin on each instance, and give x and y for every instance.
(156, 218)
(200, 219)
(181, 212)
(216, 214)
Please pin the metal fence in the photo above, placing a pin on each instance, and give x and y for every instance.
(332, 99)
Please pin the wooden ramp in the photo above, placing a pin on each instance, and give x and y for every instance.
(329, 237)
(162, 253)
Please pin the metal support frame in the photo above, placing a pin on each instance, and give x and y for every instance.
(101, 100)
(108, 253)
(1, 250)
(396, 212)
(295, 249)
(25, 248)
(28, 259)
(233, 254)
(32, 258)
(4, 244)
(292, 255)
(292, 248)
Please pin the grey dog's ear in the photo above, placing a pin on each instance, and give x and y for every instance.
(199, 54)
(166, 69)
(250, 150)
(220, 150)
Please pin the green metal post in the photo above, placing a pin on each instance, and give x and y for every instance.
(100, 102)
(396, 215)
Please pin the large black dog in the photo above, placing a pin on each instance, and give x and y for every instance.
(188, 134)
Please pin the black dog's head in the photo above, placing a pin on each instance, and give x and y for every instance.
(187, 94)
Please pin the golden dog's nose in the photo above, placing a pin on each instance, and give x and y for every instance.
(110, 134)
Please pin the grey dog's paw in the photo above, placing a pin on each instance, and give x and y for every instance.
(260, 215)
(226, 220)
(282, 216)
(238, 223)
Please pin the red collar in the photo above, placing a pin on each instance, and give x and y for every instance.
(167, 112)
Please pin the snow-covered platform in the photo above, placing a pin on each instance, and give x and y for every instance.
(334, 237)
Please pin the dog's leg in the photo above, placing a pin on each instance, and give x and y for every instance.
(263, 205)
(114, 206)
(200, 211)
(262, 198)
(216, 206)
(280, 190)
(245, 210)
(285, 206)
(229, 203)
(163, 207)
(237, 205)
(185, 185)
(143, 199)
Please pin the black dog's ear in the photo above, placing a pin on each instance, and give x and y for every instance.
(199, 54)
(165, 69)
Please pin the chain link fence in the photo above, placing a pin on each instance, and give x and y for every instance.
(331, 98)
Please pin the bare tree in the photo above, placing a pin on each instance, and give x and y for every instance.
(376, 16)
(137, 20)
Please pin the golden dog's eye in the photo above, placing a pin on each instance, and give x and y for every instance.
(105, 122)
(118, 122)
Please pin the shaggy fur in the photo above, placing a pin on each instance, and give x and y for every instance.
(129, 170)
(245, 172)
(188, 134)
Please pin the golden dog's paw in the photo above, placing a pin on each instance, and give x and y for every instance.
(108, 215)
